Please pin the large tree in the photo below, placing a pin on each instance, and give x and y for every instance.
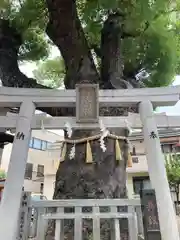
(118, 44)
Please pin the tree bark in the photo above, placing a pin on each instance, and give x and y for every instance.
(113, 72)
(112, 62)
(10, 74)
(104, 178)
(65, 30)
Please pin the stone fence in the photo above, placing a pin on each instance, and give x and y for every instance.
(35, 216)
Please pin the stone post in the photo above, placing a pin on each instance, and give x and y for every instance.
(157, 173)
(10, 204)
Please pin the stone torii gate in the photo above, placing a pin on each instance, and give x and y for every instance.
(87, 95)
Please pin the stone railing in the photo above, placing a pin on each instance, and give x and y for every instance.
(43, 211)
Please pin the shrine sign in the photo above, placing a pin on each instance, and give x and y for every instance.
(87, 103)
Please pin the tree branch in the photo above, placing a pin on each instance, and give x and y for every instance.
(111, 61)
(10, 74)
(65, 30)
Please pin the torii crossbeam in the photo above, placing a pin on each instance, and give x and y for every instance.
(29, 99)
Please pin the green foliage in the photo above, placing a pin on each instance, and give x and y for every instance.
(51, 72)
(155, 51)
(35, 46)
(29, 17)
(30, 13)
(155, 45)
(5, 8)
(2, 174)
(173, 170)
(154, 27)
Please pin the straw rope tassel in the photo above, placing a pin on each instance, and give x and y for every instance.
(63, 153)
(118, 151)
(89, 158)
(129, 162)
(57, 164)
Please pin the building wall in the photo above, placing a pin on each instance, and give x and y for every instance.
(35, 157)
(31, 186)
(49, 184)
(139, 145)
(50, 161)
(129, 182)
(141, 165)
(140, 169)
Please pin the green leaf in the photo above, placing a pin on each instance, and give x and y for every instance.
(31, 13)
(155, 46)
(51, 72)
(35, 46)
(2, 174)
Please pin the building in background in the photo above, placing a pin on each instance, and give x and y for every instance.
(40, 162)
(137, 175)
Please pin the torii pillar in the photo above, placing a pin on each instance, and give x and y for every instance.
(157, 173)
(10, 203)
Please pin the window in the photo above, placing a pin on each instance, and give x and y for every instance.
(44, 145)
(36, 143)
(28, 171)
(49, 145)
(38, 197)
(140, 183)
(39, 144)
(31, 143)
(177, 149)
(167, 148)
(40, 171)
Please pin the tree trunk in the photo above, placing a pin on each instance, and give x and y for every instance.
(112, 62)
(10, 74)
(65, 30)
(104, 178)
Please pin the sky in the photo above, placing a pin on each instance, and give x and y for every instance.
(174, 110)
